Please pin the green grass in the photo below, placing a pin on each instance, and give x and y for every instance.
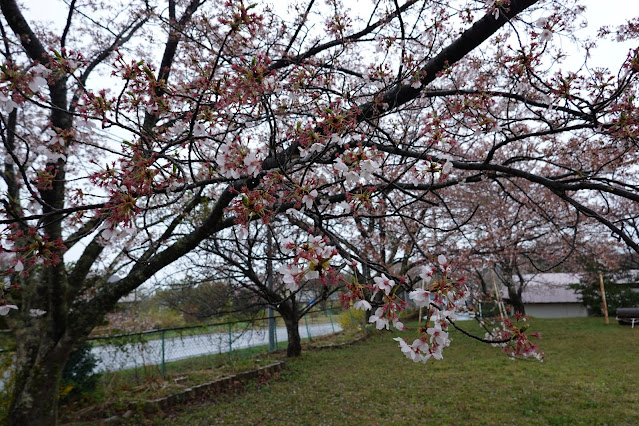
(590, 376)
(117, 390)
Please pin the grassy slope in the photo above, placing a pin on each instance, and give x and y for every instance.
(590, 377)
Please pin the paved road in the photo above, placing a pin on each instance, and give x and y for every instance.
(133, 355)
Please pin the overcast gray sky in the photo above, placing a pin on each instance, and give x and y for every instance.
(598, 13)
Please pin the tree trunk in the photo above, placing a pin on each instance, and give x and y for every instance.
(38, 372)
(515, 300)
(294, 347)
(289, 311)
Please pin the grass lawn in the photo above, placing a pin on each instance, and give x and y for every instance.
(590, 376)
(119, 390)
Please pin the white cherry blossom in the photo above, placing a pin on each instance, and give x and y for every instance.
(384, 284)
(363, 305)
(4, 310)
(380, 322)
(421, 298)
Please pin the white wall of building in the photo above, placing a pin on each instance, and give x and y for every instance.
(555, 310)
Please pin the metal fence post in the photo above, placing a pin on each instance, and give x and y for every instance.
(269, 280)
(272, 330)
(230, 341)
(331, 318)
(163, 359)
(308, 333)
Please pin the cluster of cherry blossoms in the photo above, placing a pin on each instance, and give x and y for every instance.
(441, 296)
(389, 312)
(358, 164)
(21, 250)
(311, 261)
(512, 337)
(11, 263)
(112, 232)
(235, 160)
(429, 345)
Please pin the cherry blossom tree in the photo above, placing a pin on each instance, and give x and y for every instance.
(513, 230)
(290, 276)
(140, 131)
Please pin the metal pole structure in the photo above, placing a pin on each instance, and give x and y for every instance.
(308, 333)
(419, 320)
(272, 344)
(230, 341)
(603, 299)
(163, 363)
(275, 335)
(500, 304)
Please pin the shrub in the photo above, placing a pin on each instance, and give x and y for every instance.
(352, 318)
(79, 378)
(617, 296)
(6, 383)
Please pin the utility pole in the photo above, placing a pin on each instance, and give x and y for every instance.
(269, 282)
(603, 298)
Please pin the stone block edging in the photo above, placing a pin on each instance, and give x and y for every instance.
(215, 386)
(189, 394)
(339, 345)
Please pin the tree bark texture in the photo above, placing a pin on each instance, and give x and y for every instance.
(294, 347)
(515, 300)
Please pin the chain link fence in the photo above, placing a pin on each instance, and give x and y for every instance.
(160, 348)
